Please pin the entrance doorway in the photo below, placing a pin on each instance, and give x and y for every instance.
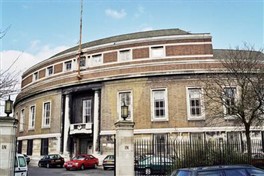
(86, 146)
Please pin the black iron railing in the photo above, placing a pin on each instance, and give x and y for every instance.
(162, 157)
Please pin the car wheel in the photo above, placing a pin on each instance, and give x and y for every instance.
(82, 167)
(48, 165)
(148, 171)
(39, 165)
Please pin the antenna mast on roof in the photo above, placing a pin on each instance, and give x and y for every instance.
(80, 44)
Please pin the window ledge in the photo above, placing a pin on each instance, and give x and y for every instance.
(196, 118)
(160, 120)
(45, 127)
(31, 129)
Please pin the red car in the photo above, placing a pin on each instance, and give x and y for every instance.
(81, 162)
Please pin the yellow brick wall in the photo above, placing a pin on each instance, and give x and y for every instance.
(55, 99)
(141, 92)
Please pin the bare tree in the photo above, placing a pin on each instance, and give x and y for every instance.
(3, 32)
(8, 82)
(8, 79)
(234, 94)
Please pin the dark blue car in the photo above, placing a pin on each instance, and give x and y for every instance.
(228, 170)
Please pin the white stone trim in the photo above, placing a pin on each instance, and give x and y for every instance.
(30, 117)
(96, 119)
(189, 116)
(197, 36)
(72, 72)
(39, 136)
(43, 115)
(153, 118)
(73, 60)
(66, 123)
(182, 130)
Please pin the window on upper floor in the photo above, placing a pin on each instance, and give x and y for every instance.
(49, 70)
(194, 104)
(35, 76)
(68, 66)
(87, 111)
(125, 98)
(229, 100)
(125, 55)
(32, 117)
(159, 105)
(96, 60)
(83, 61)
(157, 51)
(22, 119)
(46, 115)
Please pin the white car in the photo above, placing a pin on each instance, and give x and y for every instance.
(21, 168)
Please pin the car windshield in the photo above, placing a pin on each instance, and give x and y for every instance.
(22, 161)
(110, 157)
(155, 159)
(78, 158)
(52, 157)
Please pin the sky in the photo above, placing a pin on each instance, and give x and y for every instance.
(38, 29)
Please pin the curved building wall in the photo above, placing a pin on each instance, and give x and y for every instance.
(154, 73)
(33, 127)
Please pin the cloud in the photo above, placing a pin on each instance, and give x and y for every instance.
(115, 14)
(17, 61)
(20, 61)
(47, 51)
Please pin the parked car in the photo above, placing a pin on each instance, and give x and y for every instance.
(258, 159)
(81, 162)
(51, 160)
(154, 164)
(27, 158)
(230, 170)
(109, 162)
(21, 167)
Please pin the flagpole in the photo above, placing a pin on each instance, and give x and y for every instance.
(80, 43)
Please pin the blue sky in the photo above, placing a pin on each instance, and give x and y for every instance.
(41, 28)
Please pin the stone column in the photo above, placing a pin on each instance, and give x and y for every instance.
(66, 126)
(124, 148)
(96, 120)
(8, 128)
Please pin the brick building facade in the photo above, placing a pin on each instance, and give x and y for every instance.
(153, 72)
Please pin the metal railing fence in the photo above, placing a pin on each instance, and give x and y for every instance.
(165, 156)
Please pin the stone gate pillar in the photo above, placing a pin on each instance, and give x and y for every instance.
(8, 128)
(124, 148)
